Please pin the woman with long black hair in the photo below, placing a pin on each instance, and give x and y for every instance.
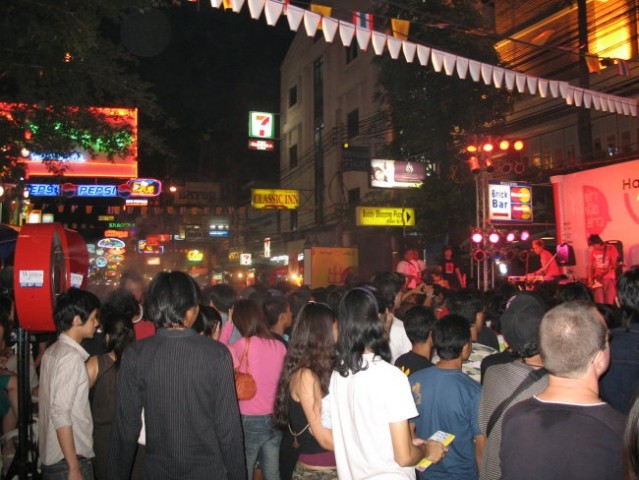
(370, 399)
(304, 383)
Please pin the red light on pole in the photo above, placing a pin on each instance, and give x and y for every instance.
(525, 235)
(487, 147)
(477, 237)
(471, 148)
(510, 237)
(473, 163)
(504, 145)
(518, 145)
(493, 237)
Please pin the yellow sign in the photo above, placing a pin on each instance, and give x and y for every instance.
(289, 199)
(195, 255)
(385, 217)
(329, 266)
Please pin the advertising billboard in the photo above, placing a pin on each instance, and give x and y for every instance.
(275, 198)
(396, 174)
(510, 202)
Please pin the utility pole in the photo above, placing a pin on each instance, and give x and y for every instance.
(584, 127)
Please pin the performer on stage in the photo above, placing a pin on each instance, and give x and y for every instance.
(411, 267)
(549, 267)
(451, 271)
(602, 277)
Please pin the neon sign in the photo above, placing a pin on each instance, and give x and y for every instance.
(145, 187)
(83, 164)
(111, 243)
(134, 188)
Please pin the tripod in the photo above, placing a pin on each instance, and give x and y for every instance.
(24, 464)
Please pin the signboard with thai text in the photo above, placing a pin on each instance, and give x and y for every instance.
(385, 217)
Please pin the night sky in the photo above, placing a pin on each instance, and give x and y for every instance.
(214, 68)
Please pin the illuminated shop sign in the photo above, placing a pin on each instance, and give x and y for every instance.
(134, 188)
(145, 187)
(261, 125)
(275, 198)
(143, 247)
(116, 233)
(111, 243)
(397, 174)
(510, 202)
(81, 163)
(195, 255)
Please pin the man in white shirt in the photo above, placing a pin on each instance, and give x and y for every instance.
(66, 425)
(411, 267)
(389, 285)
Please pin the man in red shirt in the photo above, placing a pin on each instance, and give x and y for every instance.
(549, 267)
(602, 277)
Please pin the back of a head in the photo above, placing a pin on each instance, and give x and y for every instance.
(120, 302)
(222, 296)
(520, 323)
(466, 304)
(298, 299)
(312, 338)
(133, 281)
(260, 295)
(570, 335)
(74, 302)
(628, 295)
(208, 320)
(388, 284)
(360, 327)
(574, 291)
(169, 297)
(249, 319)
(273, 308)
(418, 323)
(119, 333)
(450, 335)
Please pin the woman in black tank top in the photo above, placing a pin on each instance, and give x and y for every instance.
(304, 383)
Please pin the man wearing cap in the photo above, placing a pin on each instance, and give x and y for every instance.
(566, 431)
(520, 326)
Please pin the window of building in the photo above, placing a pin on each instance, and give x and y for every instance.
(292, 156)
(597, 151)
(352, 51)
(625, 142)
(292, 96)
(352, 124)
(353, 196)
(611, 146)
(293, 219)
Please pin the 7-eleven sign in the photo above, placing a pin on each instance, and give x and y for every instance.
(261, 125)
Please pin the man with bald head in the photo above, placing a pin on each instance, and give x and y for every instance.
(566, 431)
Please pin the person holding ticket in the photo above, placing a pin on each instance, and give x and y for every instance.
(370, 399)
(448, 403)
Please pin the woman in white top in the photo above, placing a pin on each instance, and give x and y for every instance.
(370, 399)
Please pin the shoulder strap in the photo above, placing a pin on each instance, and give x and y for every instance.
(531, 378)
(247, 341)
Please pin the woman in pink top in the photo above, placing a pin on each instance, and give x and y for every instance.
(265, 357)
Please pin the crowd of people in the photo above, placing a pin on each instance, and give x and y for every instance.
(388, 379)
